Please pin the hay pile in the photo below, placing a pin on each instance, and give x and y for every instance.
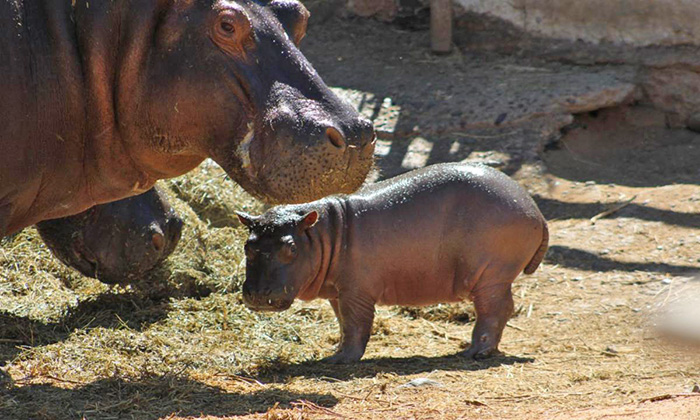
(185, 317)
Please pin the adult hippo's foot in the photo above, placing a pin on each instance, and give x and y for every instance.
(116, 242)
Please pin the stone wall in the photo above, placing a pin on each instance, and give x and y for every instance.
(635, 22)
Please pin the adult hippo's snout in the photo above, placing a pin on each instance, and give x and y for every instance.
(310, 149)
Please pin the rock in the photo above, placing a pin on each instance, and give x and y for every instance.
(693, 123)
(381, 9)
(418, 382)
(594, 99)
(639, 22)
(674, 91)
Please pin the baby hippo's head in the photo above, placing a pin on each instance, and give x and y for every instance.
(279, 258)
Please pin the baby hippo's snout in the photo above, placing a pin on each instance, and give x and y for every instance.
(265, 298)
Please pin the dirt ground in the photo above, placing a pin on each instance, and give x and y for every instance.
(619, 186)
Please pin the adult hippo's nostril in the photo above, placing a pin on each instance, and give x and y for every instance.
(335, 137)
(361, 133)
(368, 148)
(158, 241)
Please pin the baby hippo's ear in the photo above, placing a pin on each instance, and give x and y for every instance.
(247, 219)
(309, 220)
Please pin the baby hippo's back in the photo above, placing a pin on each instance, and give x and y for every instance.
(440, 233)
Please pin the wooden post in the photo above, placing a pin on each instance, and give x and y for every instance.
(441, 26)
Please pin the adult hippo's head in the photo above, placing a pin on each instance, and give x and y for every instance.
(118, 241)
(226, 80)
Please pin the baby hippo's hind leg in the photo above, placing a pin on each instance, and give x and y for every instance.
(493, 304)
(355, 315)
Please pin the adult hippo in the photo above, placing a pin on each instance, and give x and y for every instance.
(101, 98)
(116, 242)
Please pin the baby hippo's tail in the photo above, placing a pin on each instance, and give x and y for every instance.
(539, 255)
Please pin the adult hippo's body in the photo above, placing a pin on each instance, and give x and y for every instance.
(101, 98)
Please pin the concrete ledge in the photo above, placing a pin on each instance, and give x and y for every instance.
(634, 22)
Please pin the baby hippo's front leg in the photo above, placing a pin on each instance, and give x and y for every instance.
(355, 315)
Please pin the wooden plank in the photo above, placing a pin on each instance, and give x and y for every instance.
(441, 26)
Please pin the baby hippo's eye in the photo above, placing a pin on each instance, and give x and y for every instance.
(289, 249)
(250, 253)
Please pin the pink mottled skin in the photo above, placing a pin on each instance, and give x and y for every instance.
(440, 234)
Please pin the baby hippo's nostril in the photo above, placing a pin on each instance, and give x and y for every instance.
(158, 241)
(335, 137)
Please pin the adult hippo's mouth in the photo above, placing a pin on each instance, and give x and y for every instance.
(298, 151)
(299, 174)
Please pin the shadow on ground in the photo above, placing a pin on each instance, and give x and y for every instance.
(402, 155)
(369, 368)
(554, 209)
(107, 310)
(583, 260)
(148, 398)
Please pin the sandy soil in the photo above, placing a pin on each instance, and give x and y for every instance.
(621, 192)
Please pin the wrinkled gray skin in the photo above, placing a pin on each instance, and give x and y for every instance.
(443, 233)
(116, 242)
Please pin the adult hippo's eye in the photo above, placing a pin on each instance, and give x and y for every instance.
(228, 27)
(293, 249)
(232, 30)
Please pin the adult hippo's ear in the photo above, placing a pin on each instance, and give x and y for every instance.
(232, 29)
(247, 219)
(293, 16)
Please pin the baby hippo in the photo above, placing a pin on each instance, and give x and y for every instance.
(439, 234)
